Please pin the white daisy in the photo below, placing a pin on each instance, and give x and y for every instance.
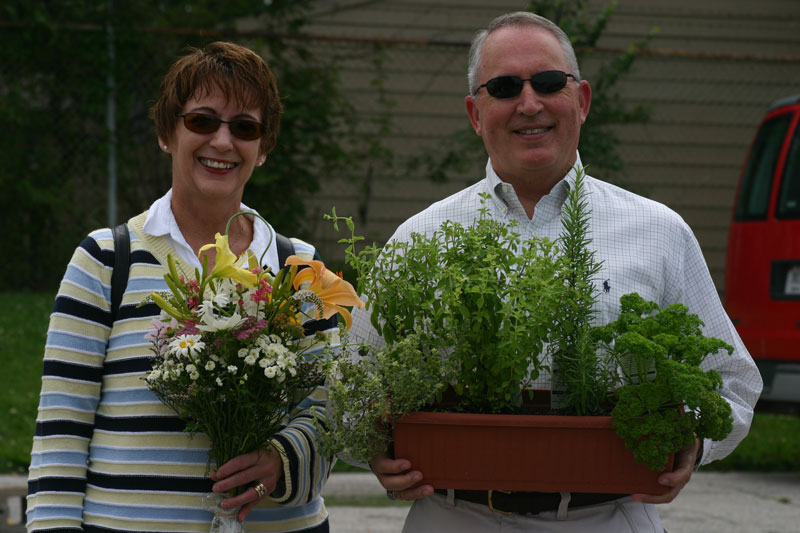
(186, 345)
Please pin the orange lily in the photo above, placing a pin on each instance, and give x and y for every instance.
(331, 289)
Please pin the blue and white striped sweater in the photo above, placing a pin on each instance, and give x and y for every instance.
(108, 455)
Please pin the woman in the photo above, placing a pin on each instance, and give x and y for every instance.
(108, 456)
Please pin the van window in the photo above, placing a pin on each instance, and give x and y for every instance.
(789, 195)
(753, 199)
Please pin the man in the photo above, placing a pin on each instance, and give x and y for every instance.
(528, 102)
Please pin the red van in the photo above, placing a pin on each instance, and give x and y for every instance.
(762, 276)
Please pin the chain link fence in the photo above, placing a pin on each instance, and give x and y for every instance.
(406, 134)
(59, 150)
(80, 150)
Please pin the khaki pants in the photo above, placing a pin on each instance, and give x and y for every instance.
(435, 515)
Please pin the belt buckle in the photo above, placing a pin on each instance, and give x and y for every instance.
(491, 506)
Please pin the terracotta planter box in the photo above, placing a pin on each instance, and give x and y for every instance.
(522, 452)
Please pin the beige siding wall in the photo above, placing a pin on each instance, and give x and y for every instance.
(708, 77)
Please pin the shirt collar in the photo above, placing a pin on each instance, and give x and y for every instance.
(160, 222)
(506, 197)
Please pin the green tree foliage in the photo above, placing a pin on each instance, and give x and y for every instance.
(599, 142)
(463, 150)
(54, 85)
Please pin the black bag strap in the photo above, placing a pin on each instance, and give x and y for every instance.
(122, 263)
(285, 248)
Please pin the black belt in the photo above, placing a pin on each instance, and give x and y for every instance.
(528, 502)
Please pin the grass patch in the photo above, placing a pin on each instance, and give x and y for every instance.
(378, 500)
(341, 466)
(771, 445)
(23, 328)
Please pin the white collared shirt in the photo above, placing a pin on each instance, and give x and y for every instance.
(160, 222)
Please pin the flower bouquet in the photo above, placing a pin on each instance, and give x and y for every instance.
(231, 355)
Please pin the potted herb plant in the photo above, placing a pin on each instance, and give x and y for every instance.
(470, 316)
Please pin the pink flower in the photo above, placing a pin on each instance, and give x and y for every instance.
(251, 328)
(260, 295)
(161, 330)
(190, 328)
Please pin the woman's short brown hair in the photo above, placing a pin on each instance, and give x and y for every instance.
(242, 75)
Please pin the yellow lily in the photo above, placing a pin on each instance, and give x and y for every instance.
(331, 289)
(225, 263)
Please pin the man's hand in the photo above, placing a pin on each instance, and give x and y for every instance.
(397, 477)
(250, 469)
(677, 479)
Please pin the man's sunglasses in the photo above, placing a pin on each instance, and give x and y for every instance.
(546, 82)
(241, 128)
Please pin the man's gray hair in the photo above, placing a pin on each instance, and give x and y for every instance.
(519, 18)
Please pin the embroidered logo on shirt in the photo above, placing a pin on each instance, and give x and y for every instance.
(607, 286)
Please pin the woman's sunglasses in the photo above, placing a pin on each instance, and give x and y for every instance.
(546, 82)
(246, 130)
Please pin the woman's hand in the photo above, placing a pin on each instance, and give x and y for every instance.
(677, 479)
(397, 478)
(263, 467)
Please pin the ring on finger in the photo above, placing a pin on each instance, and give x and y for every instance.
(260, 489)
(391, 495)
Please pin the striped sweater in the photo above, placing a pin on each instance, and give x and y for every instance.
(108, 456)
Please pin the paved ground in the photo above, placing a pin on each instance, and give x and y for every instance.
(712, 503)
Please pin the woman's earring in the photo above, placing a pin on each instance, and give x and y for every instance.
(165, 147)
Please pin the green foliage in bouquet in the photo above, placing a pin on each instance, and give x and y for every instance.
(666, 398)
(231, 356)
